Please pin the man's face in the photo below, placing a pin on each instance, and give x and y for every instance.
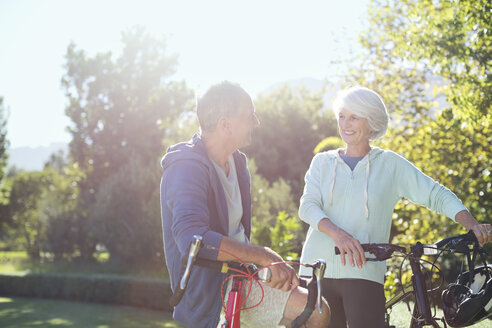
(242, 125)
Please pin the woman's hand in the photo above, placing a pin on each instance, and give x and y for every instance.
(483, 232)
(350, 246)
(345, 242)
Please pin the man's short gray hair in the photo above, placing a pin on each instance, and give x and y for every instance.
(223, 99)
(365, 103)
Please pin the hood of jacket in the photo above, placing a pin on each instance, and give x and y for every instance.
(193, 149)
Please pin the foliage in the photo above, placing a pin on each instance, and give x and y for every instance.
(4, 143)
(284, 234)
(274, 217)
(430, 61)
(121, 108)
(41, 209)
(328, 144)
(26, 193)
(126, 216)
(292, 122)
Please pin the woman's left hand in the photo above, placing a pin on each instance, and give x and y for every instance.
(483, 233)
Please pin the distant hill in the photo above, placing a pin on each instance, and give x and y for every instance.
(34, 158)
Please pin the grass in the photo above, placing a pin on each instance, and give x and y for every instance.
(13, 262)
(30, 312)
(400, 317)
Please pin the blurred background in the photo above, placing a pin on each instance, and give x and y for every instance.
(93, 92)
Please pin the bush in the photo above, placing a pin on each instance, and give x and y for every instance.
(121, 290)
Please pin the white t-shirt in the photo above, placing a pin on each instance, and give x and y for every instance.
(233, 198)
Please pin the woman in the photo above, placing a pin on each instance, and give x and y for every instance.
(349, 198)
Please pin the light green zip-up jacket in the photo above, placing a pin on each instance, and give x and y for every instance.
(361, 202)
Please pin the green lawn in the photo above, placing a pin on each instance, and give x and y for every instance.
(400, 317)
(30, 312)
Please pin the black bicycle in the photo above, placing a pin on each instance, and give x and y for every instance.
(242, 272)
(422, 315)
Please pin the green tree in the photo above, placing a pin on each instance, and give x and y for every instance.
(430, 61)
(120, 108)
(293, 122)
(4, 143)
(128, 202)
(23, 209)
(274, 215)
(42, 209)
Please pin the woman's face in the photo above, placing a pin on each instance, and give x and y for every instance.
(354, 129)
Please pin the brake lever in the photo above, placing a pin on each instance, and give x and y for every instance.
(195, 246)
(319, 271)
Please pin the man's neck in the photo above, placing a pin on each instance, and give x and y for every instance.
(218, 150)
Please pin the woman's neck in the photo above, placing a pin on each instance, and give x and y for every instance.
(357, 150)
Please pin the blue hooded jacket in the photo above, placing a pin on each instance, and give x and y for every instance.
(193, 203)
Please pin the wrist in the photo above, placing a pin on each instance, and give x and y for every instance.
(328, 228)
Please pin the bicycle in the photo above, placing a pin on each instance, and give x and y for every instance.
(421, 314)
(241, 272)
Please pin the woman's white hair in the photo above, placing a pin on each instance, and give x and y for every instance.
(365, 103)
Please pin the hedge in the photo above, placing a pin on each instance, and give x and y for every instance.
(114, 289)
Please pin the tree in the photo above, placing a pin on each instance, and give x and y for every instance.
(417, 53)
(120, 108)
(430, 61)
(292, 122)
(4, 143)
(126, 216)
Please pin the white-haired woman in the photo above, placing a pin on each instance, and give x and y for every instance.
(349, 198)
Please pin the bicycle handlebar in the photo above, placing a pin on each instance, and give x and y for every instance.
(313, 285)
(383, 251)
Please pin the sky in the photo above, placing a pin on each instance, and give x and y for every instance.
(256, 43)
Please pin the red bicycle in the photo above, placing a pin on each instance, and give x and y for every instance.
(241, 273)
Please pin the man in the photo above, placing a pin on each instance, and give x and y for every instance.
(205, 190)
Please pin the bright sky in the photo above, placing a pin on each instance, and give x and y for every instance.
(256, 43)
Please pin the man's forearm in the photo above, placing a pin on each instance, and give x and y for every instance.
(249, 253)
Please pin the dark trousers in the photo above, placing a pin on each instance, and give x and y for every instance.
(358, 302)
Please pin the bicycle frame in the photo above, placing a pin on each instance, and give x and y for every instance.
(422, 315)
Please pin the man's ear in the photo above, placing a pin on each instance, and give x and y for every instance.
(224, 125)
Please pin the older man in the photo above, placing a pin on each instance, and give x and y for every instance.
(205, 190)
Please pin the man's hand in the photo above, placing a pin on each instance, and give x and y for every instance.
(284, 276)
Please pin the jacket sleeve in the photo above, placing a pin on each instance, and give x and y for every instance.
(184, 190)
(423, 190)
(311, 204)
